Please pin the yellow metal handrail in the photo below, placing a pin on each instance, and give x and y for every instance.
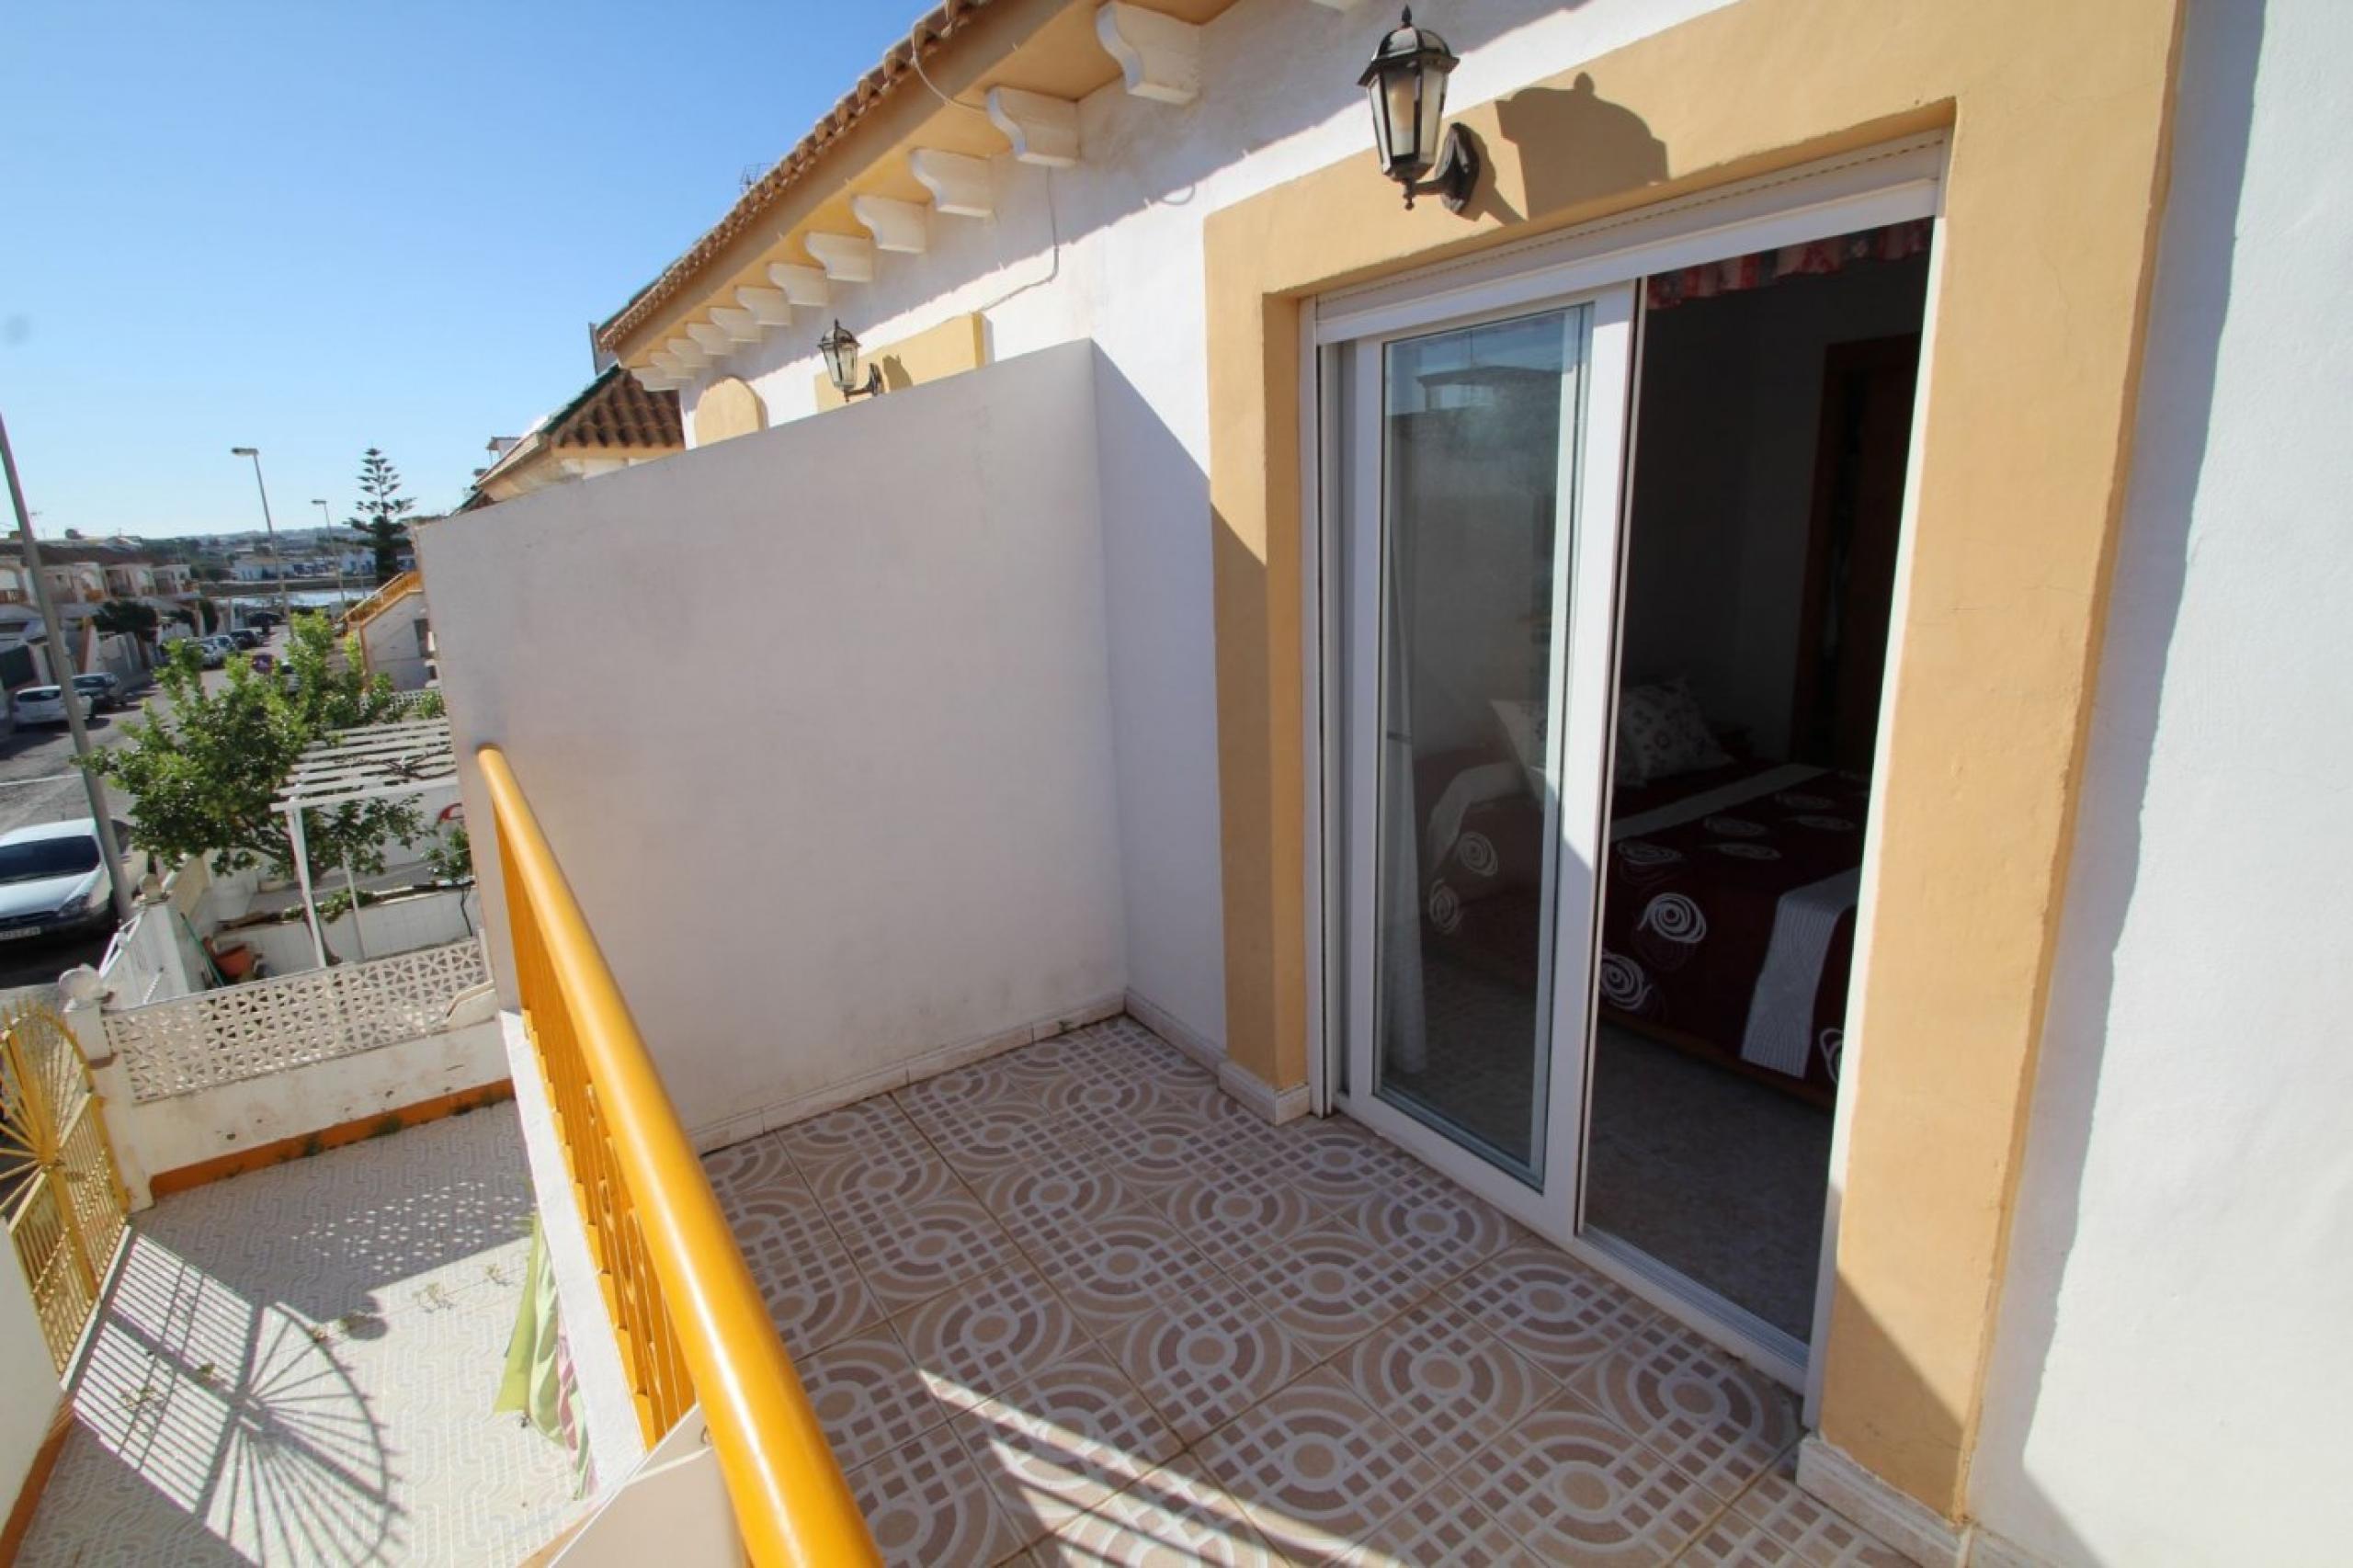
(375, 604)
(689, 1318)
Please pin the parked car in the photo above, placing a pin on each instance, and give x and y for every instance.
(245, 637)
(54, 879)
(43, 705)
(214, 651)
(103, 689)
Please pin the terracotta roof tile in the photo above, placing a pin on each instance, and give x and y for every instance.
(618, 411)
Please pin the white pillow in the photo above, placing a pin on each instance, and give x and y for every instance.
(1662, 732)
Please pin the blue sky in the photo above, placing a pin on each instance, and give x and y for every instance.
(321, 225)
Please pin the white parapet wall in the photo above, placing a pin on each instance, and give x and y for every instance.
(818, 722)
(274, 1061)
(29, 1396)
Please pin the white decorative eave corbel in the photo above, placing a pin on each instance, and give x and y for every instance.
(687, 353)
(709, 339)
(769, 306)
(739, 326)
(669, 364)
(896, 225)
(846, 258)
(959, 183)
(802, 285)
(654, 380)
(1160, 56)
(1044, 130)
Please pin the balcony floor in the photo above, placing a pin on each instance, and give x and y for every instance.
(1073, 1301)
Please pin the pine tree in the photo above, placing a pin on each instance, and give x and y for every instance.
(383, 512)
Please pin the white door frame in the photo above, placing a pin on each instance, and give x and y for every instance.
(1584, 597)
(1895, 183)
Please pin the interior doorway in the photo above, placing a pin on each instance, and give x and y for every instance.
(1762, 524)
(1603, 660)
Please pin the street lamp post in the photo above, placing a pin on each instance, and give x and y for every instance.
(61, 670)
(285, 612)
(334, 552)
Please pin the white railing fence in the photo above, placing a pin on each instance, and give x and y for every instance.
(268, 1026)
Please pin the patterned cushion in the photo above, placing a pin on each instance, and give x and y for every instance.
(1662, 732)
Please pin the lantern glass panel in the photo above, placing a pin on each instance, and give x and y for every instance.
(1432, 103)
(1408, 148)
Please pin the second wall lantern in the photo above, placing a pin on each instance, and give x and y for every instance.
(839, 348)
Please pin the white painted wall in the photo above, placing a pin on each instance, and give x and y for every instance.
(393, 641)
(402, 925)
(858, 804)
(2170, 1383)
(1111, 251)
(28, 1389)
(153, 1136)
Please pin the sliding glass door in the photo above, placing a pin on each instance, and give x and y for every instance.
(1477, 506)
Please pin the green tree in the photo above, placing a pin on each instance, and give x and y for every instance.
(127, 617)
(383, 512)
(203, 765)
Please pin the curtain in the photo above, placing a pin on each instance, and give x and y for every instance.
(1664, 290)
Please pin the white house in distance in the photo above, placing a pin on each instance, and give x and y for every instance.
(1623, 857)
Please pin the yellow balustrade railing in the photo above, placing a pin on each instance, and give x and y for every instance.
(375, 604)
(689, 1318)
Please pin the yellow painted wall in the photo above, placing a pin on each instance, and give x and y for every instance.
(728, 407)
(2058, 119)
(955, 346)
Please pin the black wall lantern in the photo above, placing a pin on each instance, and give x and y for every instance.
(1407, 82)
(839, 347)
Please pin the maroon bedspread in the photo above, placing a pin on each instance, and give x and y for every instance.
(1690, 907)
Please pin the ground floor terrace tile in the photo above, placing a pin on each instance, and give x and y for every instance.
(1072, 1304)
(297, 1367)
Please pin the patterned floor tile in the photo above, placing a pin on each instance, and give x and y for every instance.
(868, 1396)
(1574, 1488)
(814, 1291)
(1064, 1441)
(1237, 1212)
(1316, 1466)
(1775, 1523)
(987, 1337)
(752, 1168)
(864, 1132)
(934, 1245)
(1444, 1381)
(1001, 1135)
(1557, 1313)
(1205, 1359)
(1341, 1162)
(929, 1503)
(1329, 1288)
(1444, 1231)
(1720, 1421)
(1175, 1517)
(1092, 1257)
(1113, 1269)
(1050, 1205)
(1441, 1526)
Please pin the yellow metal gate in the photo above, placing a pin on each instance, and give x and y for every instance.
(58, 1188)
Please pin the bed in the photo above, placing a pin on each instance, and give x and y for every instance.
(1728, 914)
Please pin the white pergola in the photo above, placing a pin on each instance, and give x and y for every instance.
(372, 763)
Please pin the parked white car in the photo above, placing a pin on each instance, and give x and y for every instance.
(43, 705)
(54, 879)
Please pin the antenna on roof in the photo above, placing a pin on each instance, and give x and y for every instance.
(750, 176)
